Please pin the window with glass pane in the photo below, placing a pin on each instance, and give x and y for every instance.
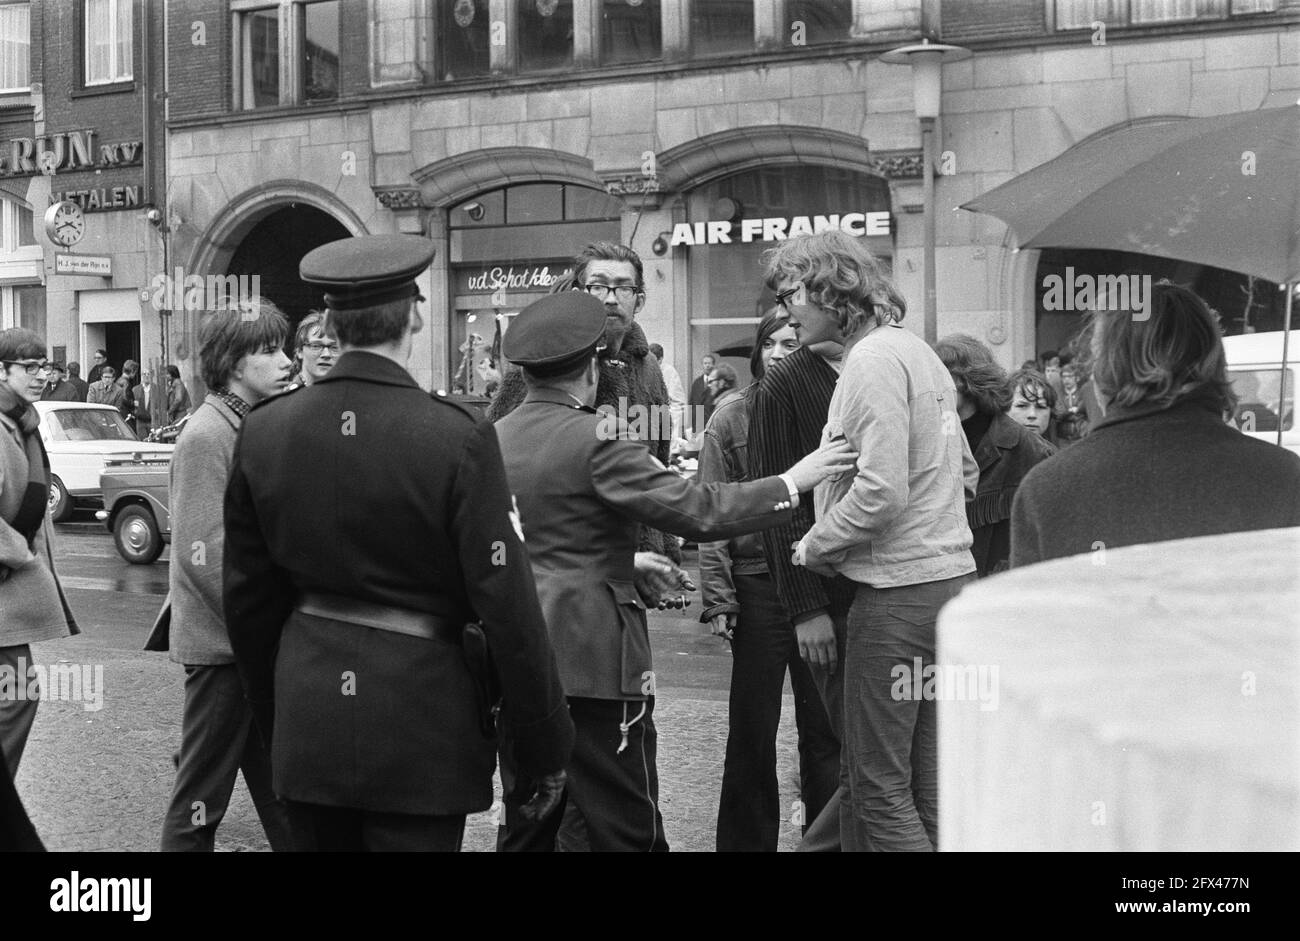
(396, 45)
(1081, 14)
(31, 308)
(26, 228)
(320, 54)
(15, 46)
(261, 52)
(484, 210)
(545, 31)
(722, 26)
(463, 40)
(1170, 11)
(108, 41)
(818, 21)
(631, 31)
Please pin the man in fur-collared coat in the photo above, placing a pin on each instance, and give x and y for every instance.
(613, 274)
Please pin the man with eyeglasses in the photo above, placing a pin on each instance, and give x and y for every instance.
(33, 608)
(314, 349)
(896, 529)
(107, 391)
(630, 380)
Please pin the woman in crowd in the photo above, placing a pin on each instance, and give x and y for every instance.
(32, 605)
(1071, 408)
(1160, 463)
(1004, 449)
(1032, 402)
(741, 605)
(315, 348)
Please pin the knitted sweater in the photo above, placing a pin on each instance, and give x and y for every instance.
(632, 377)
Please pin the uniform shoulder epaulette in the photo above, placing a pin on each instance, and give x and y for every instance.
(440, 395)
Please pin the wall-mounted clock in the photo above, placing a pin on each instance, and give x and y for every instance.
(65, 223)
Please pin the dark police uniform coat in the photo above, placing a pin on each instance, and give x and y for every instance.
(365, 486)
(581, 496)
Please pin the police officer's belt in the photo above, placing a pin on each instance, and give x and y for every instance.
(381, 617)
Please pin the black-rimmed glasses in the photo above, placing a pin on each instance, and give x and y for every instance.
(33, 369)
(624, 292)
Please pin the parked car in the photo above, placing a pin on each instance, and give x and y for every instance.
(81, 439)
(136, 506)
(1255, 371)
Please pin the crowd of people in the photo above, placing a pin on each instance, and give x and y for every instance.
(354, 542)
(144, 404)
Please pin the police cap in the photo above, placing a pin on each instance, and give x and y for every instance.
(366, 270)
(556, 332)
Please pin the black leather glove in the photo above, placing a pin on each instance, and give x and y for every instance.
(545, 798)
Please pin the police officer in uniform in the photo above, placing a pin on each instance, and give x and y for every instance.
(583, 487)
(366, 523)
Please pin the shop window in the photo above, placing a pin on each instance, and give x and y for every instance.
(722, 27)
(545, 34)
(750, 213)
(816, 22)
(15, 47)
(631, 31)
(507, 248)
(1081, 14)
(107, 39)
(463, 39)
(320, 50)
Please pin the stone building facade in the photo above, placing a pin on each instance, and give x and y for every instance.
(79, 122)
(668, 126)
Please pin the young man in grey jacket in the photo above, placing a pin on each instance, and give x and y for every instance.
(243, 362)
(897, 528)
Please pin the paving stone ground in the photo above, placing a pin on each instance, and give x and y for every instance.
(100, 780)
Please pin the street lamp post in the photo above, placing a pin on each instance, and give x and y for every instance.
(926, 59)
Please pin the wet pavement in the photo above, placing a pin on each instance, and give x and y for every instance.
(100, 779)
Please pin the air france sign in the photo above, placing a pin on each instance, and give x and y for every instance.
(721, 231)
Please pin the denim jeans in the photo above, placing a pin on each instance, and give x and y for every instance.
(891, 743)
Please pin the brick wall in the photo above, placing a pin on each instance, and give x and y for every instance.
(200, 74)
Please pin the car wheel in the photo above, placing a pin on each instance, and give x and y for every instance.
(135, 532)
(60, 502)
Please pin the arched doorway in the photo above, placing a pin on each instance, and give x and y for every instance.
(273, 248)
